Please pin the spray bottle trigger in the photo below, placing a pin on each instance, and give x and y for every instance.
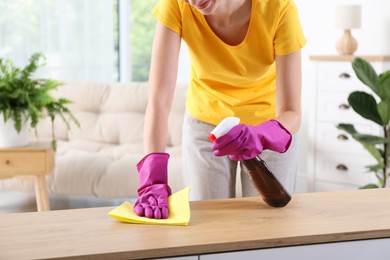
(223, 127)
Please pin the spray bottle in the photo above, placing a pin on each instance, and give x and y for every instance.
(270, 189)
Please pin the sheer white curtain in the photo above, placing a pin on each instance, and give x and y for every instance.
(76, 36)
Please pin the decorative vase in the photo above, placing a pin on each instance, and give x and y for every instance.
(9, 137)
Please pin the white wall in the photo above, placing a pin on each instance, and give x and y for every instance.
(317, 19)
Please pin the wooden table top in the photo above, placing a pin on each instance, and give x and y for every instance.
(215, 226)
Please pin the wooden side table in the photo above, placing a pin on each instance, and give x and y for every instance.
(34, 160)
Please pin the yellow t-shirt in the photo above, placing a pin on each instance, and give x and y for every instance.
(235, 80)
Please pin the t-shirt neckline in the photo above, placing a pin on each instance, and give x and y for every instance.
(248, 32)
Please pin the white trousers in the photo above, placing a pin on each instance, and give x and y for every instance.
(213, 177)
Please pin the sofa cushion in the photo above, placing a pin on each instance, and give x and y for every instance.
(100, 157)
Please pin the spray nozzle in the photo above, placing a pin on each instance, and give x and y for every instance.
(223, 127)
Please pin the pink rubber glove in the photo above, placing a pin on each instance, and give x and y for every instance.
(153, 190)
(244, 142)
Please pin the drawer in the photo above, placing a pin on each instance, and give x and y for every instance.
(334, 107)
(23, 163)
(329, 138)
(340, 76)
(344, 168)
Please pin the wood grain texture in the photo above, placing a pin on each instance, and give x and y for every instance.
(33, 159)
(215, 226)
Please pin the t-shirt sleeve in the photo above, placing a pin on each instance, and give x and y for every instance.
(168, 12)
(289, 36)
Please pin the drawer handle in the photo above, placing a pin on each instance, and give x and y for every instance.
(342, 137)
(344, 106)
(342, 167)
(344, 76)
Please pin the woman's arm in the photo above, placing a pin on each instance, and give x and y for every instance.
(162, 82)
(288, 91)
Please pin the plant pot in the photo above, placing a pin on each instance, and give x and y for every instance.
(9, 137)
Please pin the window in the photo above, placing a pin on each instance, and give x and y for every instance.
(142, 25)
(102, 40)
(136, 27)
(74, 35)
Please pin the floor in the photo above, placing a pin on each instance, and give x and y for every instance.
(18, 202)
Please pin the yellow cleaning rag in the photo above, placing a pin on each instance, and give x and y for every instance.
(179, 211)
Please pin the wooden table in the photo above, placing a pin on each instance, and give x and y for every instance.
(35, 160)
(216, 226)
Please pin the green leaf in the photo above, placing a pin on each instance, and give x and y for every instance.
(385, 84)
(54, 144)
(22, 97)
(363, 138)
(375, 152)
(384, 111)
(370, 186)
(349, 128)
(366, 140)
(365, 105)
(366, 74)
(374, 168)
(371, 139)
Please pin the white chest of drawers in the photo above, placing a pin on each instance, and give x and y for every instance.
(335, 160)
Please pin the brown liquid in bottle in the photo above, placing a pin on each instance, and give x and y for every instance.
(270, 189)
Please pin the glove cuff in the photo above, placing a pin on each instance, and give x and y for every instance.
(153, 169)
(277, 138)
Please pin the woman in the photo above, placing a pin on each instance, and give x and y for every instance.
(245, 62)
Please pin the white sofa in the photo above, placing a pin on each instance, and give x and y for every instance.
(100, 157)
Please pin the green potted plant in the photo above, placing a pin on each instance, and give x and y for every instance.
(376, 108)
(24, 101)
